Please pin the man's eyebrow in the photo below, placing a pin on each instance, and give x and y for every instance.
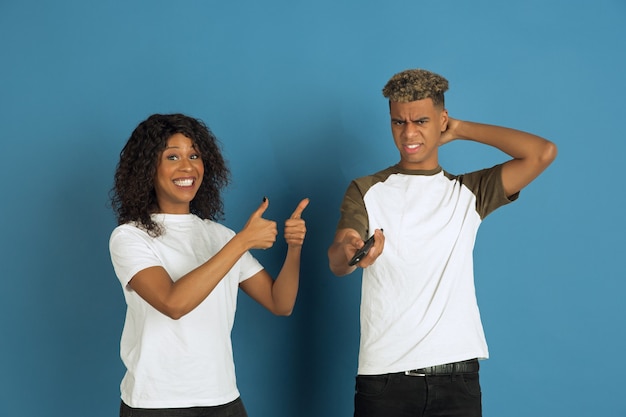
(417, 119)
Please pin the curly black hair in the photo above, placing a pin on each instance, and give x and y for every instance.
(133, 197)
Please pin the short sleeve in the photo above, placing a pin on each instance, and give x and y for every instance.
(353, 212)
(487, 186)
(249, 266)
(131, 252)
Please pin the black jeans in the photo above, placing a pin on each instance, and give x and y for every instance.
(232, 409)
(400, 395)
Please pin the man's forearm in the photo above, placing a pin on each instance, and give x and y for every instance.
(531, 153)
(516, 143)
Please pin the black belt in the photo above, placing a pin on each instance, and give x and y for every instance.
(462, 367)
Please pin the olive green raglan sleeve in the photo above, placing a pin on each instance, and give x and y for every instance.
(487, 186)
(353, 211)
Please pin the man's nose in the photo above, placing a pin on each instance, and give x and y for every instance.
(410, 129)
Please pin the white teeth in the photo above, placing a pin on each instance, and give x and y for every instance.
(184, 183)
(412, 146)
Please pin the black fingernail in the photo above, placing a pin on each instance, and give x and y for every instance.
(264, 199)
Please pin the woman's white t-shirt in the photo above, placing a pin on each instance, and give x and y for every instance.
(186, 362)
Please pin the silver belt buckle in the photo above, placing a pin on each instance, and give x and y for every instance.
(413, 373)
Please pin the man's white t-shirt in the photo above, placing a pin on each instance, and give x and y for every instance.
(418, 302)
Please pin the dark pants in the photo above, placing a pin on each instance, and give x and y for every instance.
(233, 409)
(400, 395)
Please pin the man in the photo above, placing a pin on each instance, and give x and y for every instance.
(421, 333)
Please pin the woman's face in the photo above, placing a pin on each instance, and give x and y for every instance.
(179, 174)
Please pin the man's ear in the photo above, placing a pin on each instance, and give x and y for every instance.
(444, 120)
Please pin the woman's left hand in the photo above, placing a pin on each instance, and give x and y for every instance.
(295, 227)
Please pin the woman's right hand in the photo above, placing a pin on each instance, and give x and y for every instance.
(260, 233)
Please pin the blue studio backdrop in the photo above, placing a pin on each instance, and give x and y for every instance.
(293, 91)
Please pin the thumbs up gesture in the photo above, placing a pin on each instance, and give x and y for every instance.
(295, 228)
(262, 232)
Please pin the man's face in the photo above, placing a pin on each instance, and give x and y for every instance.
(416, 127)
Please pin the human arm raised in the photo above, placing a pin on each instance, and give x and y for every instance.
(175, 299)
(279, 295)
(531, 154)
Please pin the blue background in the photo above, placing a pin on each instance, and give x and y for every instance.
(292, 89)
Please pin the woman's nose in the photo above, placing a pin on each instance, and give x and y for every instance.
(185, 165)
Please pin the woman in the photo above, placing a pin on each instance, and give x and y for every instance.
(181, 270)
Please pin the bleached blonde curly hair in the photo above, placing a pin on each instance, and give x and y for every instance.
(416, 84)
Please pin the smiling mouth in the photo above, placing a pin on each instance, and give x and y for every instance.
(188, 182)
